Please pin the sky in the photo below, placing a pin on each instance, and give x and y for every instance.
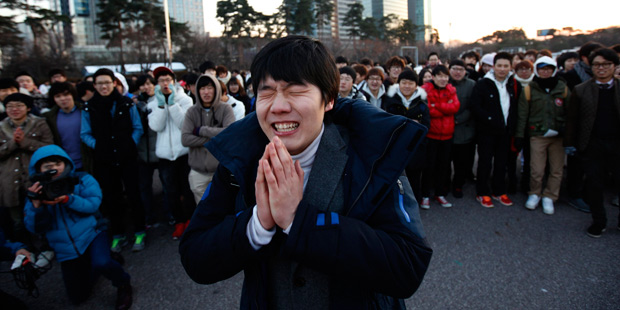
(468, 21)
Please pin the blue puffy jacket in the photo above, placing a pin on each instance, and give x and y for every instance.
(69, 227)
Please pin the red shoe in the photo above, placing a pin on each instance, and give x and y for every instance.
(503, 199)
(485, 201)
(179, 228)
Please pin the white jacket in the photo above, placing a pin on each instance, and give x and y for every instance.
(237, 106)
(167, 123)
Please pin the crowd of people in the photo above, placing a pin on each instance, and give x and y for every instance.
(106, 135)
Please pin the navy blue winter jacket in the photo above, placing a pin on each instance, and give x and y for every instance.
(373, 250)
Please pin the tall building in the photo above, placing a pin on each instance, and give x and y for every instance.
(420, 14)
(188, 11)
(380, 8)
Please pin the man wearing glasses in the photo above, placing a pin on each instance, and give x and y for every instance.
(593, 131)
(111, 126)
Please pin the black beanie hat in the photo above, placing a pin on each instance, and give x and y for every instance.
(408, 75)
(348, 70)
(25, 99)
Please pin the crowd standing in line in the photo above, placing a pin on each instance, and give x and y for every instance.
(113, 134)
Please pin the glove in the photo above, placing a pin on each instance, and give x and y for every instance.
(517, 144)
(570, 150)
(196, 131)
(161, 100)
(171, 97)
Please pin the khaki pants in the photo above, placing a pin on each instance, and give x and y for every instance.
(541, 149)
(198, 183)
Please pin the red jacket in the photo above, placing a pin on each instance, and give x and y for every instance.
(442, 105)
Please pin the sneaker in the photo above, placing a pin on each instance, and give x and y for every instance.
(595, 231)
(444, 203)
(44, 258)
(139, 243)
(457, 192)
(124, 297)
(485, 201)
(426, 203)
(179, 228)
(547, 204)
(118, 243)
(503, 199)
(532, 201)
(579, 204)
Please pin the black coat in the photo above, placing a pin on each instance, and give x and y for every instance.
(487, 109)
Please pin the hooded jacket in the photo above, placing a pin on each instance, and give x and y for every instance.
(167, 121)
(209, 125)
(487, 108)
(544, 110)
(69, 227)
(14, 158)
(368, 250)
(442, 105)
(371, 98)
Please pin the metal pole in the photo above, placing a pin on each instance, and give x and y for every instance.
(167, 18)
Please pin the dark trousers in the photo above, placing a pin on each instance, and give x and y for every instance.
(435, 165)
(114, 180)
(79, 274)
(414, 175)
(174, 176)
(600, 158)
(492, 153)
(574, 176)
(462, 156)
(146, 171)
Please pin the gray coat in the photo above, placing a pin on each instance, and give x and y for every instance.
(464, 122)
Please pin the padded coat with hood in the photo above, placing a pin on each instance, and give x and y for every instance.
(372, 249)
(442, 105)
(487, 108)
(211, 123)
(69, 227)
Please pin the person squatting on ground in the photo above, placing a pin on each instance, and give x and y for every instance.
(168, 107)
(111, 127)
(542, 117)
(296, 197)
(593, 132)
(203, 121)
(70, 224)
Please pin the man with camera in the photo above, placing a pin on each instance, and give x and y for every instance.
(64, 205)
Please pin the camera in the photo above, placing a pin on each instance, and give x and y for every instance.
(53, 188)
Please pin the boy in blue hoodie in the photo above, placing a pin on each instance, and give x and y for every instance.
(70, 225)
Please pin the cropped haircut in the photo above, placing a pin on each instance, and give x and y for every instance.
(221, 69)
(104, 71)
(56, 71)
(367, 62)
(360, 70)
(457, 62)
(7, 82)
(280, 59)
(502, 55)
(395, 61)
(61, 88)
(342, 60)
(375, 71)
(616, 48)
(531, 52)
(440, 69)
(431, 54)
(606, 53)
(587, 48)
(471, 54)
(143, 78)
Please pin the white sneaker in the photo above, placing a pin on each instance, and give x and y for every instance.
(426, 203)
(44, 258)
(547, 204)
(532, 201)
(444, 203)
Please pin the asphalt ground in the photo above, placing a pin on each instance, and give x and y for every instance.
(500, 258)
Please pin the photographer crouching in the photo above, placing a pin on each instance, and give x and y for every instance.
(63, 204)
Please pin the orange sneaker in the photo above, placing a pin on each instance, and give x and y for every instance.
(503, 199)
(485, 201)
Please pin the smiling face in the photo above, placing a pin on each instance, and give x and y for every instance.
(441, 79)
(602, 69)
(292, 112)
(375, 82)
(407, 87)
(545, 72)
(17, 111)
(104, 84)
(457, 73)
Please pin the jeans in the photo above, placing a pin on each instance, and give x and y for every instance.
(80, 274)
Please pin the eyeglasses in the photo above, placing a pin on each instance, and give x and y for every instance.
(524, 70)
(15, 106)
(375, 79)
(605, 65)
(165, 80)
(457, 69)
(103, 83)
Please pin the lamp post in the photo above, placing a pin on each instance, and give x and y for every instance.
(167, 18)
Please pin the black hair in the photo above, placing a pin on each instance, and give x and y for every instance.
(22, 73)
(8, 83)
(431, 54)
(60, 88)
(104, 71)
(190, 78)
(143, 78)
(502, 55)
(421, 75)
(367, 62)
(342, 60)
(587, 48)
(19, 97)
(280, 59)
(457, 62)
(471, 54)
(57, 71)
(241, 90)
(203, 82)
(82, 87)
(561, 60)
(53, 159)
(440, 69)
(395, 61)
(606, 53)
(348, 70)
(616, 48)
(206, 65)
(221, 69)
(408, 75)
